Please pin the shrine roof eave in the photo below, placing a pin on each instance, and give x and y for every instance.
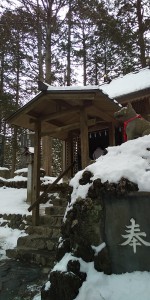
(134, 96)
(48, 104)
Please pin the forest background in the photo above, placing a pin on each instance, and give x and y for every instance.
(64, 42)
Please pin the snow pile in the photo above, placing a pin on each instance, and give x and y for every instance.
(49, 180)
(17, 178)
(13, 201)
(19, 171)
(98, 286)
(8, 239)
(130, 160)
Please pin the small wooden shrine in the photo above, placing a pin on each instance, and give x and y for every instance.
(74, 114)
(69, 114)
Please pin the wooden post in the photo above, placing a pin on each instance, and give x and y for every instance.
(47, 154)
(64, 164)
(111, 134)
(69, 159)
(36, 174)
(64, 155)
(84, 138)
(30, 178)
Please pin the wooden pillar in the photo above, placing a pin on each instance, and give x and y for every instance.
(84, 138)
(111, 134)
(64, 156)
(30, 178)
(69, 154)
(47, 155)
(64, 164)
(36, 174)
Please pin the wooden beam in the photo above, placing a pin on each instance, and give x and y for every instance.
(43, 198)
(71, 96)
(84, 138)
(61, 102)
(56, 123)
(68, 127)
(36, 173)
(99, 126)
(60, 114)
(99, 112)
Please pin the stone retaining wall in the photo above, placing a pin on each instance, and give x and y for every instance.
(4, 173)
(84, 236)
(13, 184)
(16, 221)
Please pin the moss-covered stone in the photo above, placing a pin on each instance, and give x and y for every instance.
(64, 285)
(84, 228)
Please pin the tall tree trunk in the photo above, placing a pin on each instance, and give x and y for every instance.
(14, 145)
(1, 88)
(47, 141)
(48, 54)
(141, 34)
(105, 60)
(4, 143)
(84, 54)
(14, 156)
(69, 47)
(39, 43)
(3, 109)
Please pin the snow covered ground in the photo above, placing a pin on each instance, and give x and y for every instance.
(130, 160)
(13, 201)
(98, 286)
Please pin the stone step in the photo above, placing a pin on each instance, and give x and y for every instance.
(51, 220)
(41, 257)
(60, 202)
(51, 232)
(37, 242)
(55, 210)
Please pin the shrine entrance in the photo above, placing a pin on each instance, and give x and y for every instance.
(95, 139)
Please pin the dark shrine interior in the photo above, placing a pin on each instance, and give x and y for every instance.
(101, 138)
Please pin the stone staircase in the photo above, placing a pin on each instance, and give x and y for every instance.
(39, 246)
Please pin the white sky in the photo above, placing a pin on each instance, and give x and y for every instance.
(130, 160)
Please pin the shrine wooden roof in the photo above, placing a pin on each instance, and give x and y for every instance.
(133, 86)
(58, 109)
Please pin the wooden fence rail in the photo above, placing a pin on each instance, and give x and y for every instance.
(43, 197)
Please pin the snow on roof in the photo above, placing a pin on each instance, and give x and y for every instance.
(123, 85)
(127, 84)
(80, 88)
(72, 88)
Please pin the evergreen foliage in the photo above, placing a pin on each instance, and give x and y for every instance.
(65, 42)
